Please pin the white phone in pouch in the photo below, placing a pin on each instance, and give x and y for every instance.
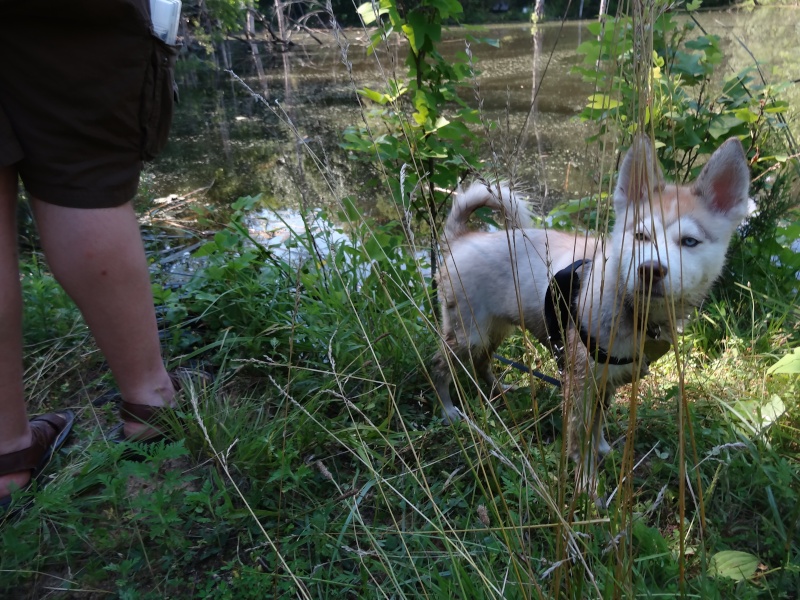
(165, 15)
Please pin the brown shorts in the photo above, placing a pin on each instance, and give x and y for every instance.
(74, 80)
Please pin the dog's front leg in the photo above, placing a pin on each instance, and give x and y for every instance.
(599, 426)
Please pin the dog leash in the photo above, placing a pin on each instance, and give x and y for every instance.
(525, 369)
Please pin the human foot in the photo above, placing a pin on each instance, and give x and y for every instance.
(144, 422)
(142, 411)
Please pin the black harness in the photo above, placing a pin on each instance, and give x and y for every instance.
(561, 314)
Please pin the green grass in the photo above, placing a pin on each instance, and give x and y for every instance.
(316, 465)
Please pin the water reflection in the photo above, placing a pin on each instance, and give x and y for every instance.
(228, 143)
(279, 231)
(290, 236)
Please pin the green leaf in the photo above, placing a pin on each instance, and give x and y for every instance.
(411, 36)
(602, 102)
(733, 564)
(447, 8)
(421, 115)
(701, 43)
(779, 106)
(595, 28)
(367, 13)
(440, 122)
(772, 411)
(589, 48)
(419, 30)
(789, 364)
(374, 96)
(746, 115)
(722, 125)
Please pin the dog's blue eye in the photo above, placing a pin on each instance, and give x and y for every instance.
(689, 242)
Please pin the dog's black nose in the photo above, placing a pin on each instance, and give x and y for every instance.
(651, 272)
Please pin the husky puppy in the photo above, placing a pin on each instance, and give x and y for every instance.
(605, 306)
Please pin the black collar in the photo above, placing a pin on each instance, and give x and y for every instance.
(561, 313)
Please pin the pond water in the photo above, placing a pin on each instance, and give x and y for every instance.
(226, 144)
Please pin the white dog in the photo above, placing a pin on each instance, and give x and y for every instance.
(605, 306)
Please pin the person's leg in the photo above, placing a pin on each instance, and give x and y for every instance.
(15, 434)
(98, 257)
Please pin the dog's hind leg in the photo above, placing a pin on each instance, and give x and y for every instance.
(442, 378)
(482, 352)
(482, 360)
(483, 367)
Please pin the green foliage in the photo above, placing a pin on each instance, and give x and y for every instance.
(789, 364)
(49, 314)
(213, 20)
(126, 518)
(319, 465)
(685, 108)
(418, 135)
(310, 300)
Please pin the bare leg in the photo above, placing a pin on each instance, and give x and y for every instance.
(15, 434)
(98, 257)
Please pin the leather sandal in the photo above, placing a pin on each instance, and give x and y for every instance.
(155, 416)
(49, 432)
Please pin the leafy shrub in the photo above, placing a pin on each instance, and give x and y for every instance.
(309, 301)
(675, 96)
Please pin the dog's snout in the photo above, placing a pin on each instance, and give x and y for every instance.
(651, 272)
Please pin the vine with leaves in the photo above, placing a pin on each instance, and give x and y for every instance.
(417, 133)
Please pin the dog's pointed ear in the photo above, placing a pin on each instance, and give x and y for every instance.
(724, 182)
(640, 175)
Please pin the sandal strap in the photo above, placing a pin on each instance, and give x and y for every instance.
(153, 415)
(185, 376)
(143, 413)
(44, 431)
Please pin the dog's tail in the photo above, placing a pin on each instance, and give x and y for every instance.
(513, 208)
